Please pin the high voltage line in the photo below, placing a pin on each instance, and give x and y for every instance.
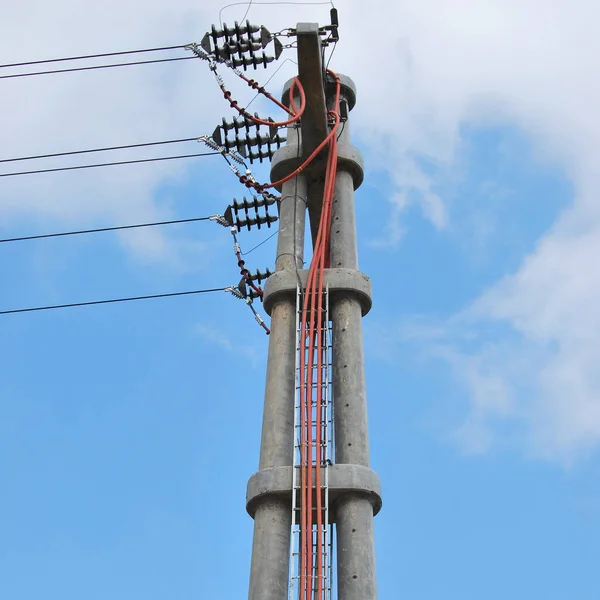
(127, 64)
(111, 301)
(88, 56)
(74, 152)
(110, 164)
(92, 67)
(101, 229)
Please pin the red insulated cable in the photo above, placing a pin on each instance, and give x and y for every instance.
(308, 160)
(255, 86)
(295, 117)
(303, 460)
(313, 306)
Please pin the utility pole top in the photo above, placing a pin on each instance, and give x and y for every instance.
(310, 71)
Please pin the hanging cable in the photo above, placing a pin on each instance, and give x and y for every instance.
(72, 70)
(110, 164)
(111, 301)
(103, 229)
(270, 4)
(263, 242)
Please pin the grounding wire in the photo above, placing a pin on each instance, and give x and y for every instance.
(271, 4)
(101, 229)
(247, 10)
(259, 245)
(74, 152)
(110, 164)
(111, 301)
(127, 64)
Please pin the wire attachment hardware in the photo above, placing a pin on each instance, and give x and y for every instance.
(241, 295)
(234, 292)
(219, 219)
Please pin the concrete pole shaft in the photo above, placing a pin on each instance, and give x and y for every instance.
(269, 571)
(292, 219)
(353, 512)
(270, 551)
(277, 442)
(349, 388)
(355, 549)
(343, 246)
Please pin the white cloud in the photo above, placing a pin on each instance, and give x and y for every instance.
(217, 338)
(423, 70)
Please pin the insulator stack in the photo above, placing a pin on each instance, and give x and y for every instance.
(261, 276)
(240, 45)
(266, 144)
(246, 219)
(255, 221)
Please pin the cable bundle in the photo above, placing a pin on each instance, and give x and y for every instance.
(314, 430)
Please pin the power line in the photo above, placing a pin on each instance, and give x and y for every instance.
(110, 164)
(88, 56)
(101, 229)
(73, 152)
(111, 301)
(127, 64)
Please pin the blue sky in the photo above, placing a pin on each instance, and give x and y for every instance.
(128, 432)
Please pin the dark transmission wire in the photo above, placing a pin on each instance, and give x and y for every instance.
(110, 164)
(111, 301)
(74, 152)
(101, 229)
(127, 64)
(53, 60)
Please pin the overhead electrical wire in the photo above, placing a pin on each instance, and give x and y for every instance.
(111, 301)
(103, 229)
(71, 70)
(110, 164)
(74, 152)
(88, 56)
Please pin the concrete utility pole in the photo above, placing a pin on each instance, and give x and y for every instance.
(354, 489)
